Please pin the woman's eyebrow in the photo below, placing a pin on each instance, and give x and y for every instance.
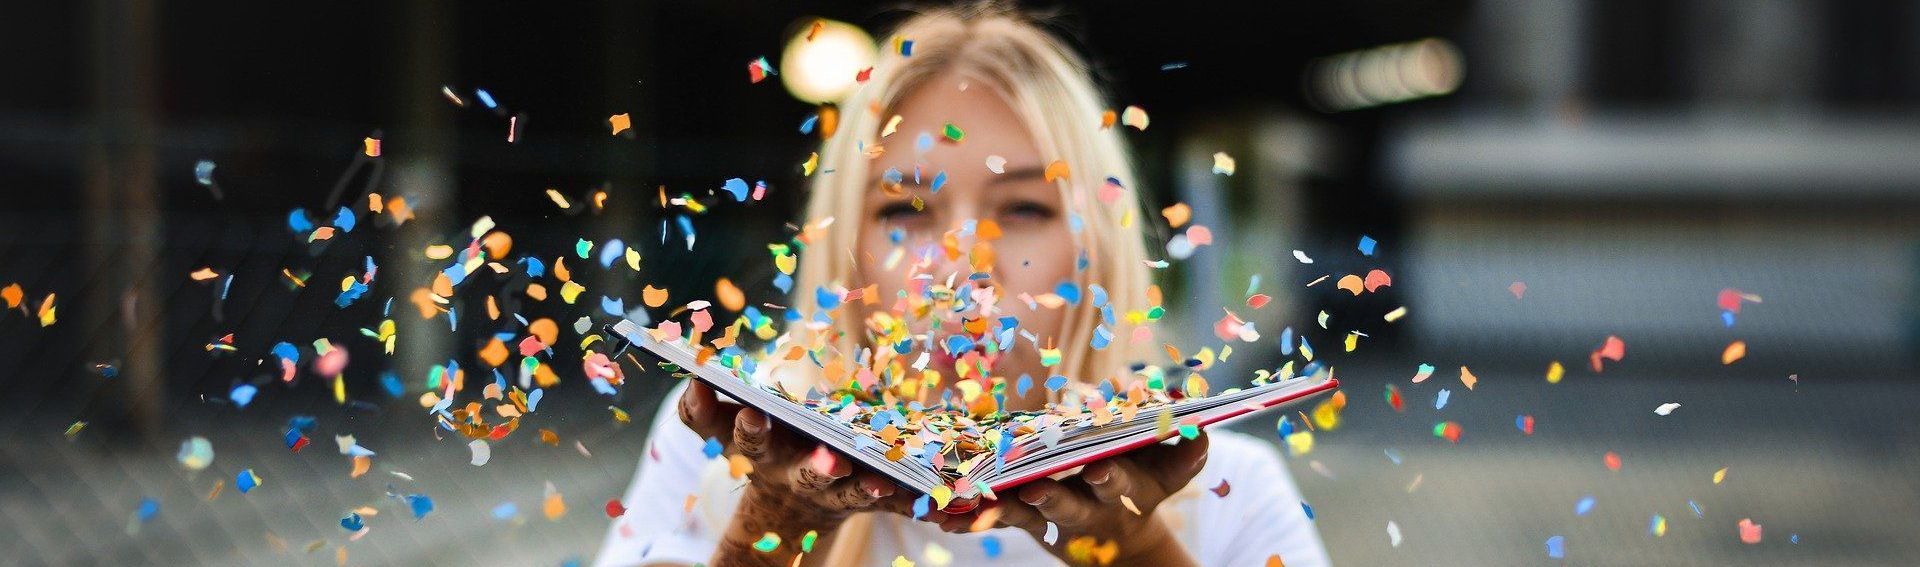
(1019, 174)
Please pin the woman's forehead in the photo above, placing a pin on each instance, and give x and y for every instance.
(963, 133)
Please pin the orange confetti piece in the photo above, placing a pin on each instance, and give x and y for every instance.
(1177, 215)
(730, 295)
(361, 464)
(47, 312)
(13, 295)
(1735, 351)
(554, 507)
(546, 330)
(653, 296)
(1614, 349)
(620, 123)
(320, 234)
(1467, 377)
(495, 353)
(1056, 170)
(203, 274)
(1352, 284)
(372, 148)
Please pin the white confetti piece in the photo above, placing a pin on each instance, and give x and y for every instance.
(996, 164)
(1393, 533)
(482, 452)
(1302, 257)
(1053, 534)
(1666, 408)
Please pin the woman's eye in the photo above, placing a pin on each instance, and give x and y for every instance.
(1027, 211)
(897, 212)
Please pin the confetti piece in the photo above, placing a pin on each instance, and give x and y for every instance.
(1518, 289)
(713, 448)
(481, 452)
(1555, 371)
(246, 481)
(1134, 116)
(1440, 400)
(1666, 408)
(1612, 460)
(653, 296)
(1557, 547)
(1222, 163)
(1719, 475)
(996, 164)
(195, 453)
(372, 147)
(203, 274)
(47, 312)
(1056, 170)
(759, 69)
(620, 123)
(554, 507)
(953, 133)
(1275, 561)
(1657, 526)
(1524, 423)
(419, 504)
(1367, 245)
(1131, 507)
(1177, 215)
(1222, 489)
(13, 295)
(730, 295)
(1052, 534)
(1302, 257)
(1749, 531)
(1467, 377)
(1583, 507)
(1393, 533)
(1613, 349)
(74, 430)
(1735, 351)
(1421, 375)
(147, 509)
(1308, 509)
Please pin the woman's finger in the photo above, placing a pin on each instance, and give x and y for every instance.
(1057, 503)
(1017, 514)
(696, 405)
(753, 434)
(1173, 466)
(808, 475)
(857, 493)
(1110, 480)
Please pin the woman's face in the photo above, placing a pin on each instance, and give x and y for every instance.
(1035, 250)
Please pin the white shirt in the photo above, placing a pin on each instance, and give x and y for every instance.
(1261, 515)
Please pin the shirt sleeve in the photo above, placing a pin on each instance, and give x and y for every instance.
(1263, 516)
(657, 529)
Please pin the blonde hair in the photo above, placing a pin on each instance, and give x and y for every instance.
(1049, 87)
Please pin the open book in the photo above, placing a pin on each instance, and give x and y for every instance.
(1034, 454)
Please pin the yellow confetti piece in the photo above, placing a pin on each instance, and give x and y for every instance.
(893, 125)
(1134, 116)
(1735, 351)
(902, 561)
(47, 315)
(633, 259)
(74, 430)
(1128, 502)
(620, 415)
(372, 147)
(1222, 163)
(812, 163)
(941, 495)
(619, 123)
(738, 466)
(1719, 475)
(559, 199)
(1396, 314)
(570, 291)
(1353, 341)
(1555, 371)
(339, 389)
(1300, 443)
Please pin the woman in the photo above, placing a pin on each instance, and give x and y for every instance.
(1029, 161)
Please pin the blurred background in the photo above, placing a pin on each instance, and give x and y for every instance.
(1538, 175)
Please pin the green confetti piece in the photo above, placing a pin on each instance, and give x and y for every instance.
(1189, 430)
(582, 248)
(806, 542)
(767, 542)
(954, 133)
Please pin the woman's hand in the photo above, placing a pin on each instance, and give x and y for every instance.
(1092, 508)
(795, 486)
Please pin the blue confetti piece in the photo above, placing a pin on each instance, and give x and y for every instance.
(1308, 508)
(1585, 505)
(1697, 513)
(243, 394)
(1727, 317)
(1286, 428)
(292, 437)
(390, 382)
(1393, 455)
(991, 545)
(535, 268)
(203, 172)
(486, 98)
(350, 295)
(920, 506)
(302, 423)
(893, 176)
(505, 511)
(923, 143)
(783, 282)
(957, 344)
(1367, 245)
(1286, 341)
(806, 126)
(352, 522)
(1066, 290)
(245, 481)
(825, 298)
(611, 252)
(533, 399)
(147, 510)
(1173, 66)
(1557, 547)
(344, 219)
(738, 187)
(1056, 382)
(1021, 387)
(906, 48)
(1793, 539)
(939, 180)
(420, 504)
(613, 306)
(1440, 402)
(297, 220)
(1520, 422)
(713, 448)
(686, 227)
